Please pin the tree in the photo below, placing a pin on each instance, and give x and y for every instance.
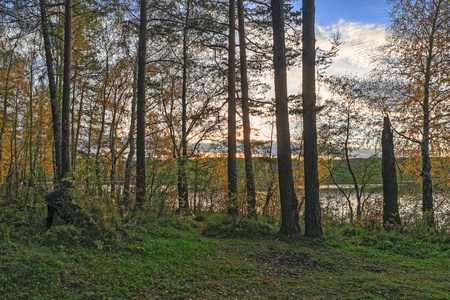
(8, 58)
(288, 198)
(249, 176)
(65, 142)
(232, 165)
(347, 128)
(313, 223)
(417, 62)
(140, 120)
(54, 98)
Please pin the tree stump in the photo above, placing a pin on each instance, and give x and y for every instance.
(390, 187)
(62, 209)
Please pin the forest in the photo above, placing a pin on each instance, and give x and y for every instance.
(154, 149)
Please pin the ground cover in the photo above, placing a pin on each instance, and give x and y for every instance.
(214, 257)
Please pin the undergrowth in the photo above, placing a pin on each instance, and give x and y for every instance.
(213, 255)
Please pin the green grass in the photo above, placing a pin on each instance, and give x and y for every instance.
(217, 258)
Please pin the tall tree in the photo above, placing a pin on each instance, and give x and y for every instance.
(183, 191)
(65, 131)
(10, 55)
(288, 198)
(232, 165)
(249, 176)
(54, 98)
(140, 121)
(347, 120)
(417, 50)
(129, 160)
(313, 223)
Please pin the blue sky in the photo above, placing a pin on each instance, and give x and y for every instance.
(364, 11)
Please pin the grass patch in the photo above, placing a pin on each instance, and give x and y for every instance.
(214, 257)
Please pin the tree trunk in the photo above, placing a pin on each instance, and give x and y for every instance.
(77, 132)
(140, 142)
(65, 141)
(313, 223)
(288, 198)
(390, 187)
(232, 164)
(112, 148)
(31, 179)
(427, 183)
(54, 99)
(250, 179)
(102, 126)
(183, 191)
(129, 161)
(352, 173)
(5, 108)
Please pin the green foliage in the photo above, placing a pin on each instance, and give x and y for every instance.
(414, 243)
(185, 256)
(227, 227)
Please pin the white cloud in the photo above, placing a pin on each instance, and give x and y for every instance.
(359, 44)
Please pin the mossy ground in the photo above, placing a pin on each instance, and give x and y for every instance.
(213, 257)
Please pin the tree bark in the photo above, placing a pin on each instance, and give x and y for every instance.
(112, 148)
(65, 141)
(77, 132)
(5, 106)
(140, 142)
(250, 179)
(288, 198)
(313, 223)
(31, 165)
(427, 183)
(183, 192)
(129, 161)
(390, 187)
(54, 98)
(232, 164)
(102, 126)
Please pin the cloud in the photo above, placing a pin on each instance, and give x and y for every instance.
(359, 44)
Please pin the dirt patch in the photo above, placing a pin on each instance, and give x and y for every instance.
(374, 269)
(292, 260)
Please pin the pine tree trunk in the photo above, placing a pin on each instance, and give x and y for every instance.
(288, 198)
(232, 164)
(250, 178)
(313, 223)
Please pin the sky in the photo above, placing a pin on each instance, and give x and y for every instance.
(362, 26)
(329, 12)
